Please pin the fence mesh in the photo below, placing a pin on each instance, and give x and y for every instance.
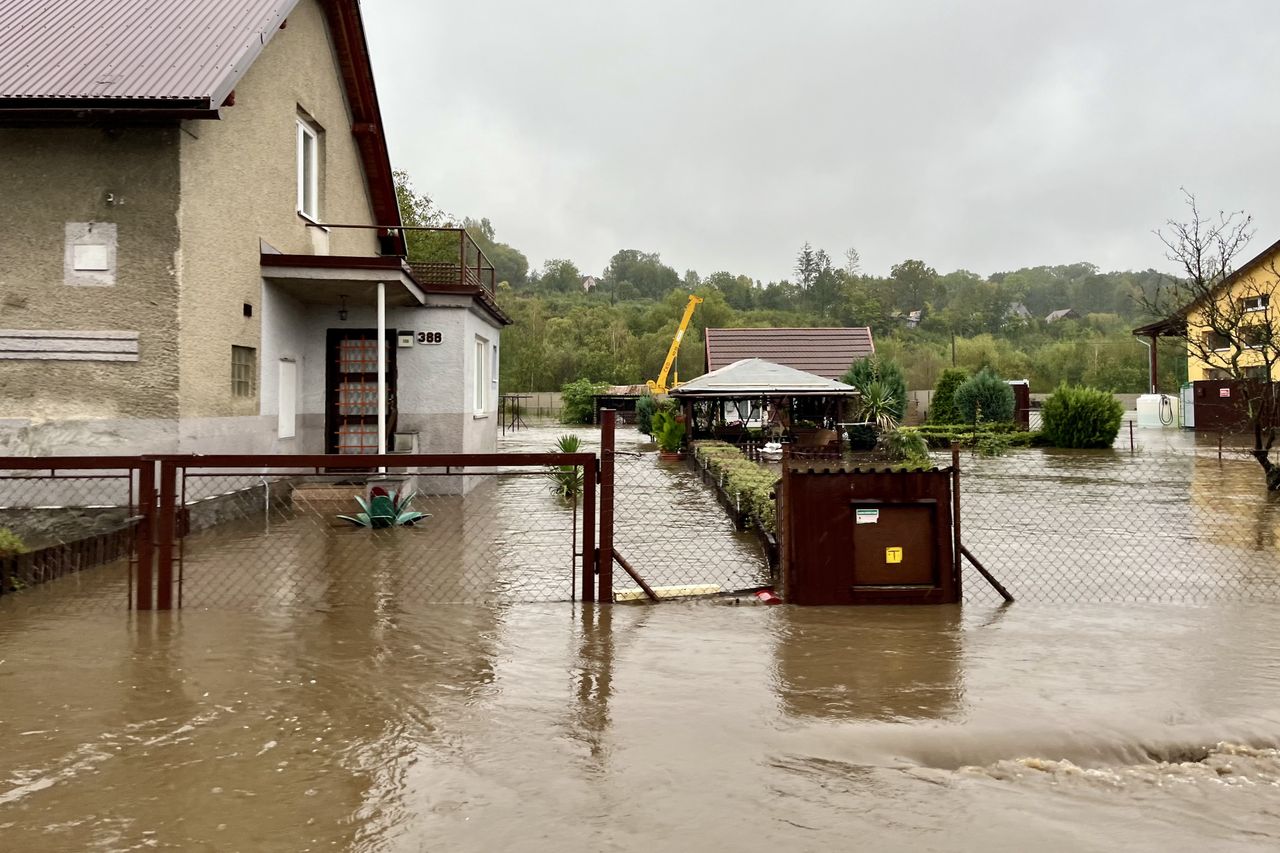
(1190, 523)
(1059, 526)
(681, 532)
(277, 539)
(56, 524)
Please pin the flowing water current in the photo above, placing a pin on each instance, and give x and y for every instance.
(375, 723)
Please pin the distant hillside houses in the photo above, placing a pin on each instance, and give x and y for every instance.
(1062, 314)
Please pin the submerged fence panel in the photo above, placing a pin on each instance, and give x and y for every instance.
(60, 516)
(270, 532)
(1062, 526)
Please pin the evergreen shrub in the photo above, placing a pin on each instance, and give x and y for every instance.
(645, 407)
(1079, 416)
(942, 406)
(984, 398)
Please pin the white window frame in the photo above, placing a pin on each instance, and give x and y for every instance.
(308, 181)
(480, 379)
(1261, 303)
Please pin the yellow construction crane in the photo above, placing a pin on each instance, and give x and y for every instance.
(661, 387)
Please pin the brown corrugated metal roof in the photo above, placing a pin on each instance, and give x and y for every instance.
(826, 352)
(131, 50)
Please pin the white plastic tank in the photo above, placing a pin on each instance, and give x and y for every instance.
(1157, 411)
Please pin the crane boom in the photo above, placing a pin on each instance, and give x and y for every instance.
(660, 386)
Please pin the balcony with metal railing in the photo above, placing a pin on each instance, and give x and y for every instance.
(449, 258)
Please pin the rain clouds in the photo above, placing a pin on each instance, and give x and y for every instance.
(986, 135)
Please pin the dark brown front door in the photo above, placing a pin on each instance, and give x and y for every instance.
(351, 390)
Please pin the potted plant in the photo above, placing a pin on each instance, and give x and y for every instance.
(668, 432)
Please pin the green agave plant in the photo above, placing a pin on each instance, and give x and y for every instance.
(566, 480)
(384, 509)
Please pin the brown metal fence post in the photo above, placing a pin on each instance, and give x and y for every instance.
(145, 534)
(608, 425)
(589, 474)
(955, 514)
(165, 539)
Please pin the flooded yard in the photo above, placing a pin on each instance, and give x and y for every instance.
(378, 726)
(343, 709)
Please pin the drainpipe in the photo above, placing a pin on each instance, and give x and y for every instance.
(382, 369)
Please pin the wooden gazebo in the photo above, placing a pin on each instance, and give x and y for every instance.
(779, 401)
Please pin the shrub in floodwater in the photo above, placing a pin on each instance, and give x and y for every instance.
(577, 405)
(984, 398)
(11, 544)
(753, 484)
(645, 407)
(942, 406)
(383, 509)
(566, 480)
(907, 447)
(862, 437)
(1079, 416)
(668, 428)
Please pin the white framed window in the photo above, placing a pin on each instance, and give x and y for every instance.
(1255, 303)
(244, 372)
(480, 396)
(493, 371)
(308, 169)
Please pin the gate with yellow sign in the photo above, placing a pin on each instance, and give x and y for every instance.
(851, 536)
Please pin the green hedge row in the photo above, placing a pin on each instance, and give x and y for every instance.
(941, 436)
(752, 483)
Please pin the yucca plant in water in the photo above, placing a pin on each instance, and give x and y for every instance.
(385, 509)
(566, 480)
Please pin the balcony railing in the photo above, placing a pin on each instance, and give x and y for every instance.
(441, 257)
(448, 257)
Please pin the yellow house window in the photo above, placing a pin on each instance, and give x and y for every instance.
(1255, 303)
(1217, 341)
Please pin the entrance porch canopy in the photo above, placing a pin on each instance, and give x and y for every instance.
(333, 279)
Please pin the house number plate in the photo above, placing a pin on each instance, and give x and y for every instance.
(430, 337)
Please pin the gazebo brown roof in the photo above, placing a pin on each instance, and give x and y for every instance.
(826, 352)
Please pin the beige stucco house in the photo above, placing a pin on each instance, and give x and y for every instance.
(200, 244)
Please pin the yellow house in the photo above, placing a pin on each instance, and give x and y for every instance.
(1247, 337)
(1232, 331)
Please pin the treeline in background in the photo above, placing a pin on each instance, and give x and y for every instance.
(616, 325)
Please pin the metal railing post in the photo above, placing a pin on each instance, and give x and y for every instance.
(145, 535)
(608, 425)
(166, 526)
(589, 474)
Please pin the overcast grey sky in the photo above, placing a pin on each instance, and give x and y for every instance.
(984, 135)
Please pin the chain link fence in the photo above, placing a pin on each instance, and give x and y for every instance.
(680, 533)
(462, 535)
(1160, 525)
(61, 520)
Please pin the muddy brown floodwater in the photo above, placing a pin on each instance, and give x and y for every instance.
(387, 724)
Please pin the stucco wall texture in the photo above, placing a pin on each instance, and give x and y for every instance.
(126, 176)
(239, 186)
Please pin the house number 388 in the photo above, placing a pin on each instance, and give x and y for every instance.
(430, 337)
